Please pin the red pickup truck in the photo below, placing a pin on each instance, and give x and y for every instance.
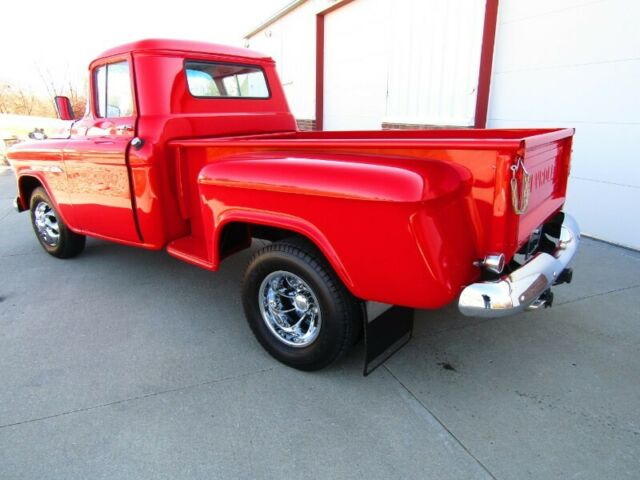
(191, 147)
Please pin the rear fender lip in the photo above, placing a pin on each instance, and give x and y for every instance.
(515, 292)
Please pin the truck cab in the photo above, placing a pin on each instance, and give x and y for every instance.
(141, 91)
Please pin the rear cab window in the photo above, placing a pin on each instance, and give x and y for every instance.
(226, 80)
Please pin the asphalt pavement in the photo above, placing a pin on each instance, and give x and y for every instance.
(130, 364)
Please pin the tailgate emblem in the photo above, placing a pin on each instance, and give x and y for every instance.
(520, 194)
(544, 176)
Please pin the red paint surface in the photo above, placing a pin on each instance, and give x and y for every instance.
(400, 215)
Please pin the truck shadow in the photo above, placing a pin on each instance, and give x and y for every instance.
(212, 300)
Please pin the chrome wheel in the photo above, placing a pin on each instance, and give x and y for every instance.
(46, 224)
(290, 309)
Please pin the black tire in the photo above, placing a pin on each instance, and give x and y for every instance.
(340, 312)
(66, 244)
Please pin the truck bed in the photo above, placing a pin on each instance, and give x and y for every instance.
(487, 154)
(465, 196)
(436, 138)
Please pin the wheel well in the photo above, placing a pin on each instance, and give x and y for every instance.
(236, 236)
(26, 186)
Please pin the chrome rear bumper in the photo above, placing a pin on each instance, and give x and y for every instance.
(520, 289)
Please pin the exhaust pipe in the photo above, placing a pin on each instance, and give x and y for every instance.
(494, 262)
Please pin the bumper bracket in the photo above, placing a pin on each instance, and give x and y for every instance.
(523, 288)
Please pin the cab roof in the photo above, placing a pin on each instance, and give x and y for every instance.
(165, 44)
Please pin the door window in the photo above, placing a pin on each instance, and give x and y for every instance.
(113, 90)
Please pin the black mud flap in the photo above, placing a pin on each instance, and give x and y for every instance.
(17, 204)
(385, 335)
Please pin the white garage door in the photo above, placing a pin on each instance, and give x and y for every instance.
(402, 61)
(576, 64)
(355, 75)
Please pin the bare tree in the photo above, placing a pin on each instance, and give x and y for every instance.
(4, 97)
(62, 85)
(26, 102)
(49, 83)
(77, 99)
(20, 101)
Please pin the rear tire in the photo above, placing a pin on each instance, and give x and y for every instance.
(297, 307)
(51, 231)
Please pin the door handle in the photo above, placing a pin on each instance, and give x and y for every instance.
(124, 128)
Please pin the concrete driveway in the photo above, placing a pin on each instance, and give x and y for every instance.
(130, 364)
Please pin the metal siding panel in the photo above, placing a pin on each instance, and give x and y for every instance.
(577, 65)
(433, 68)
(290, 41)
(356, 57)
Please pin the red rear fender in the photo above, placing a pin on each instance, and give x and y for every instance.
(367, 218)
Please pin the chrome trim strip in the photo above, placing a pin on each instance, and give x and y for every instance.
(515, 292)
(43, 168)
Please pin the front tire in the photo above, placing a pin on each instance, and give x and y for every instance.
(52, 233)
(297, 307)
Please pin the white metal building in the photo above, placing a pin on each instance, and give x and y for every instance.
(370, 64)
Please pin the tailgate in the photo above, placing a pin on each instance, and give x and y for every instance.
(543, 163)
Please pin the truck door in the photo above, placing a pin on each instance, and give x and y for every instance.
(96, 155)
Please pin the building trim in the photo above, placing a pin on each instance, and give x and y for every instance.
(417, 126)
(486, 63)
(275, 17)
(306, 124)
(335, 6)
(319, 72)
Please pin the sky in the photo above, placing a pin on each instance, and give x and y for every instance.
(63, 36)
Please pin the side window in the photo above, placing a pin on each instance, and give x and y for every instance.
(225, 80)
(113, 91)
(101, 90)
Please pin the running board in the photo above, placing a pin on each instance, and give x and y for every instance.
(192, 250)
(384, 333)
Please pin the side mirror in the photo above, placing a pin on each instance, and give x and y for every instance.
(65, 110)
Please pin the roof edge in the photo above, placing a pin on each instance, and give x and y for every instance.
(275, 17)
(163, 44)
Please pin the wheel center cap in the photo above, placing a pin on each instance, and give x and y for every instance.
(301, 303)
